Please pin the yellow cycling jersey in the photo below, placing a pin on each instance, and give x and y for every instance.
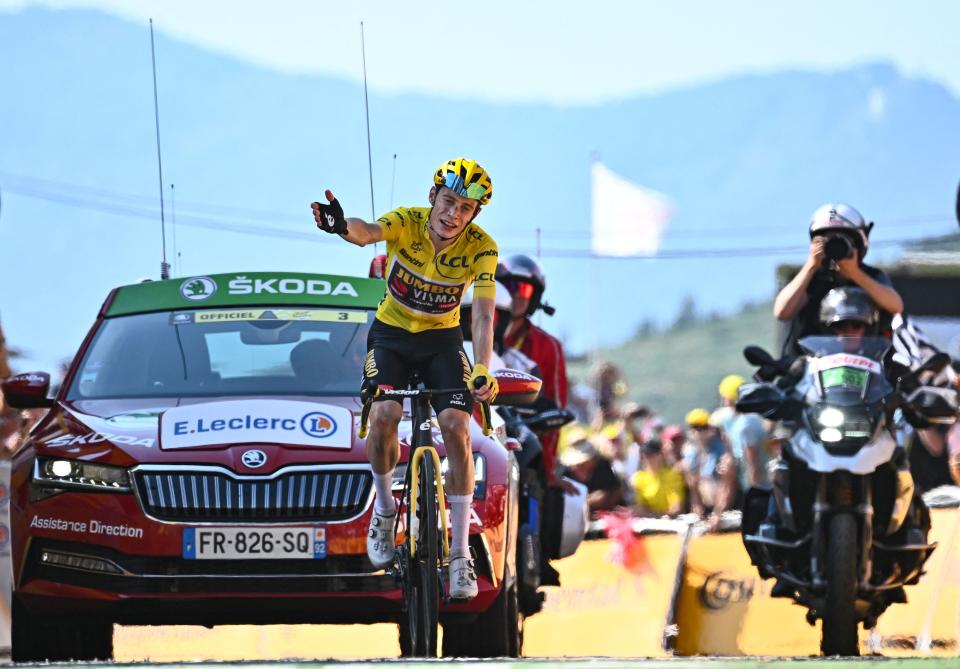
(424, 288)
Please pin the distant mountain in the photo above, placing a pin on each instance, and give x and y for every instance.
(745, 160)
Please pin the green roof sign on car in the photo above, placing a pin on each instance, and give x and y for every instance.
(250, 288)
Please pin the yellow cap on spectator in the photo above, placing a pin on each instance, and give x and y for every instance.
(698, 418)
(730, 385)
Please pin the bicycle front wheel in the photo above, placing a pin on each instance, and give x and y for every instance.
(418, 637)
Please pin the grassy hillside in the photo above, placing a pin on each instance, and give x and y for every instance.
(679, 368)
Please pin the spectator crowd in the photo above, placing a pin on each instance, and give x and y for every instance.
(629, 458)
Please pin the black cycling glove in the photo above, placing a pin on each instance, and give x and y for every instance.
(330, 218)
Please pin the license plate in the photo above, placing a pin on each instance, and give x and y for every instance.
(254, 543)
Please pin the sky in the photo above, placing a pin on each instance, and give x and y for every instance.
(521, 52)
(560, 53)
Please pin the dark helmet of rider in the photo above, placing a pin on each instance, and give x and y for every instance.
(848, 311)
(839, 218)
(525, 280)
(502, 315)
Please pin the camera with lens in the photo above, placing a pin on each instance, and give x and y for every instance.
(837, 247)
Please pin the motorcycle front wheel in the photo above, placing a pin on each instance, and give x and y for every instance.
(839, 634)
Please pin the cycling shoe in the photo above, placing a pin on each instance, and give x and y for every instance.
(380, 539)
(463, 578)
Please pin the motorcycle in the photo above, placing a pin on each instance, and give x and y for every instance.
(551, 524)
(842, 529)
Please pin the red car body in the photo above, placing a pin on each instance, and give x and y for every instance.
(121, 556)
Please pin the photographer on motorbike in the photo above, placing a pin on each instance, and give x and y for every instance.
(856, 376)
(839, 239)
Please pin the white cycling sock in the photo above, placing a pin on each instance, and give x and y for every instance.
(459, 524)
(383, 501)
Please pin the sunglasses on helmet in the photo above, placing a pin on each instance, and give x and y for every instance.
(848, 326)
(519, 288)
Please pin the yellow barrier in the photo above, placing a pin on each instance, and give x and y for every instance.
(603, 608)
(616, 604)
(724, 608)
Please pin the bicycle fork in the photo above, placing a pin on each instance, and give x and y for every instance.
(414, 468)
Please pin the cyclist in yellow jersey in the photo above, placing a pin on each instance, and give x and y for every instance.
(434, 255)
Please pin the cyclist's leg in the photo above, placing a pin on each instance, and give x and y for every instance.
(448, 367)
(383, 366)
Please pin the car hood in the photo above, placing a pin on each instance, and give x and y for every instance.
(219, 430)
(127, 432)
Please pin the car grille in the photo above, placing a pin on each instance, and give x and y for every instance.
(217, 495)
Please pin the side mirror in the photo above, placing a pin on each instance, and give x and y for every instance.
(758, 357)
(552, 419)
(28, 391)
(937, 405)
(762, 398)
(516, 388)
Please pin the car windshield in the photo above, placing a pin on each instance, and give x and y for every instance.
(237, 351)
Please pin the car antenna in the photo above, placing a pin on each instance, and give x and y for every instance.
(393, 179)
(366, 107)
(164, 265)
(173, 227)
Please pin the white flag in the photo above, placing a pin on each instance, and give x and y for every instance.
(627, 219)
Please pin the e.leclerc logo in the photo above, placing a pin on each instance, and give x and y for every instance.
(318, 424)
(315, 424)
(198, 288)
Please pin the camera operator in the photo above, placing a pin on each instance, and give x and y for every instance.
(839, 237)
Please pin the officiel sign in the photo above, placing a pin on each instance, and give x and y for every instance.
(256, 421)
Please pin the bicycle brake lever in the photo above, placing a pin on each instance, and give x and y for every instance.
(485, 415)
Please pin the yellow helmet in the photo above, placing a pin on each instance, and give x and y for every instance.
(729, 386)
(466, 178)
(698, 418)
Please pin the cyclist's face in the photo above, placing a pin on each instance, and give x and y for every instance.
(451, 213)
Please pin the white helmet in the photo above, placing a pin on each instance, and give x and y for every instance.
(503, 300)
(840, 217)
(503, 304)
(574, 524)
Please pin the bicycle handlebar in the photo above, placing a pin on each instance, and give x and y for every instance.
(368, 397)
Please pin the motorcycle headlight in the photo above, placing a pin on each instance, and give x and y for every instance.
(830, 417)
(78, 474)
(845, 430)
(479, 475)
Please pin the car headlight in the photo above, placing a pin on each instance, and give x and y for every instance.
(63, 473)
(479, 475)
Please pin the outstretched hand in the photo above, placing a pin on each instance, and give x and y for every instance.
(329, 217)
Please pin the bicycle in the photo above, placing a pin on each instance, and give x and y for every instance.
(420, 562)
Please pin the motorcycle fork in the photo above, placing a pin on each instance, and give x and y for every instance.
(842, 492)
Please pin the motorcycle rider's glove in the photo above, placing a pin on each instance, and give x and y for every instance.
(329, 217)
(486, 380)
